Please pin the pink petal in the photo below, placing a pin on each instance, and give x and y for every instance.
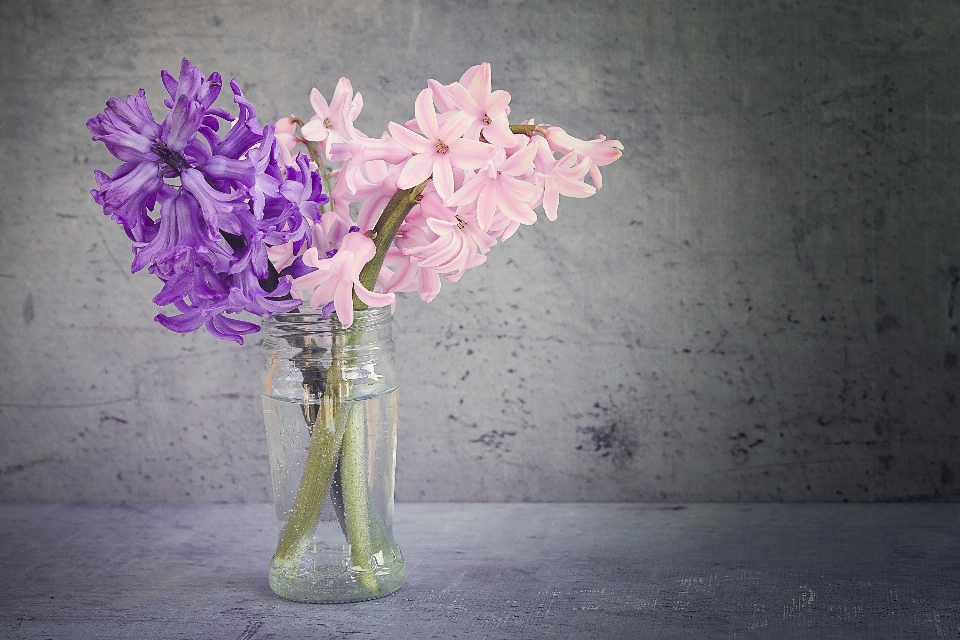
(370, 212)
(560, 140)
(415, 170)
(603, 151)
(455, 126)
(319, 103)
(441, 227)
(343, 302)
(497, 103)
(431, 205)
(595, 176)
(509, 230)
(410, 140)
(573, 188)
(311, 257)
(469, 74)
(441, 97)
(372, 298)
(309, 281)
(323, 292)
(520, 162)
(545, 160)
(442, 176)
(470, 154)
(515, 209)
(315, 131)
(389, 149)
(475, 261)
(459, 260)
(464, 100)
(469, 192)
(551, 198)
(498, 133)
(326, 286)
(483, 241)
(285, 126)
(342, 94)
(405, 274)
(486, 208)
(426, 114)
(480, 84)
(360, 248)
(429, 284)
(519, 190)
(356, 106)
(281, 255)
(443, 255)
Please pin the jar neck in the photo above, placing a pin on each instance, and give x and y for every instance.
(292, 327)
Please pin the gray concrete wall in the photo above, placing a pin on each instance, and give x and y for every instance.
(760, 304)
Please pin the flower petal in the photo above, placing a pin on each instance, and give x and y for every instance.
(415, 170)
(551, 198)
(426, 114)
(373, 298)
(319, 103)
(343, 302)
(467, 193)
(470, 154)
(410, 140)
(240, 170)
(454, 127)
(497, 103)
(442, 176)
(314, 131)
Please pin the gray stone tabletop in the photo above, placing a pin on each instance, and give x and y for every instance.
(495, 571)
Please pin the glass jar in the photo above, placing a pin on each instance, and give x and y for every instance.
(330, 410)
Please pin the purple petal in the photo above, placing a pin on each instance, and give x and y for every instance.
(226, 328)
(181, 125)
(297, 268)
(225, 168)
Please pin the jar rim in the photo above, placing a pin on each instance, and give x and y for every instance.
(305, 315)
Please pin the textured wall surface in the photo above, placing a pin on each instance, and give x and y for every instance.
(760, 304)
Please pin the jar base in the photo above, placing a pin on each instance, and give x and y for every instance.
(333, 584)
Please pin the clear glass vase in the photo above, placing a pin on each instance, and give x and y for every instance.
(330, 410)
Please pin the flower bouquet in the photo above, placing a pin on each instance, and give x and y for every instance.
(315, 226)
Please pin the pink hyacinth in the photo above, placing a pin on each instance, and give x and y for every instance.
(439, 149)
(474, 95)
(600, 151)
(408, 275)
(333, 123)
(498, 187)
(459, 243)
(337, 278)
(560, 177)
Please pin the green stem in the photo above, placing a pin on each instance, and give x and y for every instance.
(318, 467)
(356, 502)
(314, 150)
(383, 234)
(527, 129)
(314, 484)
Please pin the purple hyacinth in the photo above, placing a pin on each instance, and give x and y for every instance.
(222, 201)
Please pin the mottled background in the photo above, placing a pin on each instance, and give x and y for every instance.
(760, 304)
